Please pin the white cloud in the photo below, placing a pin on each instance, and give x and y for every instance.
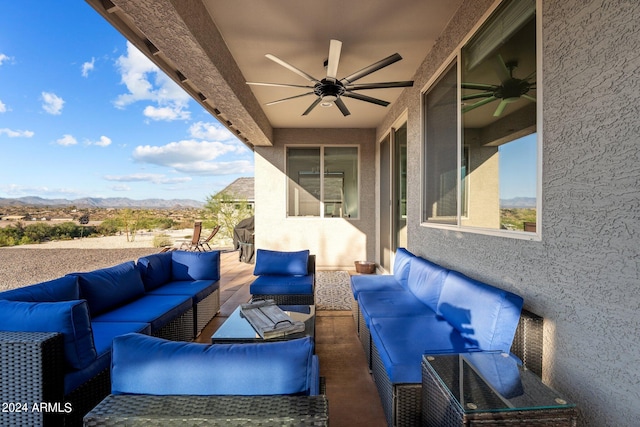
(215, 168)
(52, 103)
(4, 58)
(146, 82)
(3, 107)
(210, 131)
(16, 190)
(147, 177)
(66, 140)
(104, 141)
(121, 187)
(88, 66)
(16, 133)
(186, 151)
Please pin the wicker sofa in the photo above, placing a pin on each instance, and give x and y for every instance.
(55, 336)
(425, 308)
(288, 278)
(160, 382)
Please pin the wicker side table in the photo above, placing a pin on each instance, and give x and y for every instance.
(184, 411)
(488, 389)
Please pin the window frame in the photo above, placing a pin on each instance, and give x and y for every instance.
(455, 57)
(321, 213)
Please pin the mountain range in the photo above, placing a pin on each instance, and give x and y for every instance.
(518, 202)
(109, 202)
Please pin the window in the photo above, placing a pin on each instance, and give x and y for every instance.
(481, 142)
(332, 193)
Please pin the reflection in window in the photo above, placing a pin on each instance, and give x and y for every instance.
(332, 193)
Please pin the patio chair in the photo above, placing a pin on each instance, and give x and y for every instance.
(194, 244)
(205, 243)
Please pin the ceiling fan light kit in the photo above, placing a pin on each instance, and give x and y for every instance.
(330, 90)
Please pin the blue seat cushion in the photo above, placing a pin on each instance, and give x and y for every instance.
(499, 369)
(157, 310)
(480, 312)
(107, 288)
(61, 289)
(281, 263)
(375, 283)
(282, 285)
(195, 265)
(197, 289)
(401, 342)
(392, 304)
(401, 265)
(426, 280)
(70, 318)
(155, 269)
(149, 365)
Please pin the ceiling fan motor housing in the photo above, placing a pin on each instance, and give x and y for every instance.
(328, 90)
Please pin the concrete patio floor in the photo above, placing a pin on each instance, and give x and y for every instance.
(352, 394)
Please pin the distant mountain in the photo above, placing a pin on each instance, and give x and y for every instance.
(518, 202)
(110, 202)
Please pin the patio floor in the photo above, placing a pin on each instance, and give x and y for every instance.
(353, 397)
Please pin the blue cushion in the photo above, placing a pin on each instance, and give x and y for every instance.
(70, 318)
(110, 287)
(426, 280)
(157, 310)
(392, 304)
(282, 285)
(196, 289)
(105, 332)
(374, 283)
(281, 263)
(61, 289)
(481, 312)
(149, 365)
(401, 265)
(195, 265)
(155, 270)
(401, 342)
(501, 370)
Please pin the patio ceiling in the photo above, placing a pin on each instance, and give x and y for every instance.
(212, 47)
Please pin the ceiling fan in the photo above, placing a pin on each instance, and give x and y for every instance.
(330, 90)
(509, 90)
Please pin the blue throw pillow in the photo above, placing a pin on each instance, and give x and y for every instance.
(148, 365)
(155, 270)
(70, 318)
(195, 265)
(61, 289)
(281, 263)
(111, 287)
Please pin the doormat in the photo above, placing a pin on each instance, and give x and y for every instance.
(333, 290)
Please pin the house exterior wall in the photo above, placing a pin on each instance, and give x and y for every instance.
(583, 275)
(336, 242)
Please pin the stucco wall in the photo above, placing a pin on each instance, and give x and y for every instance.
(583, 276)
(336, 242)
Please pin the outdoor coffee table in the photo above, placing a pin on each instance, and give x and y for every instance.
(237, 329)
(488, 389)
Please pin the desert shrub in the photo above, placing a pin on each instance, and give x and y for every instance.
(161, 240)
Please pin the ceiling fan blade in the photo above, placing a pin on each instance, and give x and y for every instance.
(371, 68)
(501, 69)
(383, 85)
(366, 98)
(477, 95)
(335, 47)
(478, 86)
(478, 104)
(530, 76)
(292, 68)
(343, 108)
(312, 106)
(530, 98)
(278, 85)
(289, 98)
(500, 109)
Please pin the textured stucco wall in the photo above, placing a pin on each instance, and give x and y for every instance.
(583, 276)
(337, 242)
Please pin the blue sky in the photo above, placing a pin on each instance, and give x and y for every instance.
(84, 114)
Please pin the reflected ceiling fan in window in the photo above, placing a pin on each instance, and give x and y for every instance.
(510, 89)
(330, 90)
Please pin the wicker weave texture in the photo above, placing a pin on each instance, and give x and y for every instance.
(178, 329)
(146, 410)
(293, 299)
(528, 340)
(205, 310)
(355, 312)
(365, 338)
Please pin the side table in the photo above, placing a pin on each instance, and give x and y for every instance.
(488, 389)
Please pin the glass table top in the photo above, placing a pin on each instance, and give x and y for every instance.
(237, 329)
(492, 382)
